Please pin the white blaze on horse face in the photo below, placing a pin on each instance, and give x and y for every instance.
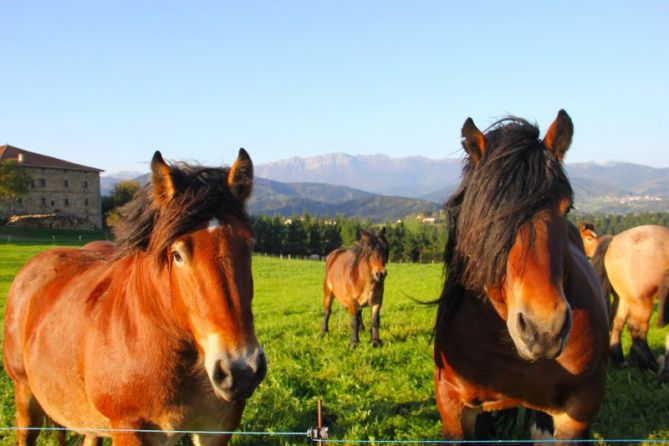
(214, 224)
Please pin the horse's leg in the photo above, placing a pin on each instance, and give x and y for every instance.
(664, 369)
(92, 440)
(580, 409)
(355, 339)
(126, 439)
(327, 307)
(61, 435)
(124, 433)
(376, 322)
(361, 326)
(569, 428)
(542, 428)
(450, 408)
(637, 324)
(615, 345)
(28, 414)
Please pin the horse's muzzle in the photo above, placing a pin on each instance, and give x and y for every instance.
(236, 380)
(538, 343)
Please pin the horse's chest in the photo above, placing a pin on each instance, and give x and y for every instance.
(371, 294)
(480, 365)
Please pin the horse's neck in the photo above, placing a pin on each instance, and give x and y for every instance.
(146, 288)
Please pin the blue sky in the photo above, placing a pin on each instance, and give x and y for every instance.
(107, 83)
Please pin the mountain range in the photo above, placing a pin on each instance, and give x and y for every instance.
(383, 188)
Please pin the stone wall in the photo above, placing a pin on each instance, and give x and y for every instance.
(60, 191)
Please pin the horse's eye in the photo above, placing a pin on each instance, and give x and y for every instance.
(176, 256)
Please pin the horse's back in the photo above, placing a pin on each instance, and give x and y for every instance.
(102, 247)
(637, 260)
(337, 263)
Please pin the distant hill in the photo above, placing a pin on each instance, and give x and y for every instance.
(407, 177)
(286, 199)
(612, 187)
(390, 188)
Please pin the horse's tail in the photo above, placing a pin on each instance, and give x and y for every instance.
(600, 269)
(663, 297)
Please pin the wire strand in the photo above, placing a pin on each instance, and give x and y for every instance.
(331, 441)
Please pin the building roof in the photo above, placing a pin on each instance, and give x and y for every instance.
(32, 159)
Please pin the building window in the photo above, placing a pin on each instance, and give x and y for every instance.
(53, 203)
(67, 202)
(85, 184)
(42, 182)
(20, 201)
(86, 202)
(66, 183)
(32, 184)
(43, 201)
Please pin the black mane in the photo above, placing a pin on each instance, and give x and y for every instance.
(201, 194)
(366, 246)
(515, 178)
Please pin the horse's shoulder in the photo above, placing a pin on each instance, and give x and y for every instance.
(334, 255)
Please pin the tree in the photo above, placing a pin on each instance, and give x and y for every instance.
(122, 193)
(14, 179)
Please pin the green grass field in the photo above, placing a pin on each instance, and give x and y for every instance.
(382, 394)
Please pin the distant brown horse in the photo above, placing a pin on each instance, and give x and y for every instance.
(521, 319)
(356, 277)
(589, 237)
(633, 266)
(154, 334)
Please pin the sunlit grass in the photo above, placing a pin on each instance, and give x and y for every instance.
(367, 393)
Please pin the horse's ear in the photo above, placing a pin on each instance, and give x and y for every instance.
(559, 134)
(162, 180)
(382, 232)
(240, 178)
(586, 226)
(473, 140)
(364, 235)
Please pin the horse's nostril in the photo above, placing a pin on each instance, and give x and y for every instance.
(220, 375)
(522, 325)
(261, 370)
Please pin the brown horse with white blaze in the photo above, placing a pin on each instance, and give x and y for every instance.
(356, 278)
(154, 334)
(521, 319)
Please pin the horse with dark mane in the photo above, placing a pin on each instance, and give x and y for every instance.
(355, 277)
(633, 267)
(521, 320)
(150, 337)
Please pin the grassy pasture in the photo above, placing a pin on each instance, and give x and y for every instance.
(383, 393)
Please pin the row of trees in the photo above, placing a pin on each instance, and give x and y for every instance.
(615, 223)
(308, 236)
